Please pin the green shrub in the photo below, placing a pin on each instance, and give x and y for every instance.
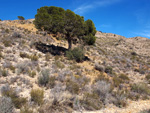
(148, 77)
(21, 18)
(75, 54)
(44, 78)
(7, 43)
(52, 81)
(91, 101)
(16, 100)
(7, 30)
(32, 73)
(34, 57)
(0, 20)
(24, 55)
(73, 87)
(37, 96)
(124, 77)
(59, 64)
(141, 88)
(90, 39)
(4, 72)
(117, 81)
(108, 70)
(1, 55)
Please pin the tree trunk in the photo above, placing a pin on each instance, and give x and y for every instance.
(69, 44)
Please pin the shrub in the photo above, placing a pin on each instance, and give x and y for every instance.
(23, 67)
(124, 77)
(6, 105)
(44, 78)
(120, 99)
(34, 57)
(141, 88)
(4, 72)
(91, 101)
(90, 39)
(32, 73)
(109, 70)
(148, 77)
(52, 81)
(16, 35)
(102, 88)
(75, 54)
(0, 20)
(7, 43)
(21, 18)
(24, 55)
(16, 100)
(73, 87)
(1, 55)
(59, 64)
(37, 96)
(7, 31)
(47, 57)
(117, 81)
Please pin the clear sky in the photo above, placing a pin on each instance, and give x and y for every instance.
(128, 18)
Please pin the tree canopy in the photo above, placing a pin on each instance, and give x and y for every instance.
(55, 19)
(21, 18)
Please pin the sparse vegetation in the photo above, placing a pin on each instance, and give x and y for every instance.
(113, 72)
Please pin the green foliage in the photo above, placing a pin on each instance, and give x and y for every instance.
(75, 54)
(16, 100)
(21, 18)
(109, 70)
(55, 19)
(44, 78)
(4, 72)
(148, 77)
(91, 101)
(90, 31)
(37, 96)
(59, 64)
(89, 39)
(0, 20)
(141, 88)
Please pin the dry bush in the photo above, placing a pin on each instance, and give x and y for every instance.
(37, 96)
(16, 100)
(6, 105)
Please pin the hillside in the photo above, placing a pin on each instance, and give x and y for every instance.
(37, 77)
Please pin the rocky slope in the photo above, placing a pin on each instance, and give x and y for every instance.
(115, 74)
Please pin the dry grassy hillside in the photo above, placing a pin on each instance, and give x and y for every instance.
(37, 77)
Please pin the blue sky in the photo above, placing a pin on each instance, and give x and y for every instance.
(128, 18)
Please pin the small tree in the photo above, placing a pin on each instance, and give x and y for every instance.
(0, 20)
(54, 19)
(21, 18)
